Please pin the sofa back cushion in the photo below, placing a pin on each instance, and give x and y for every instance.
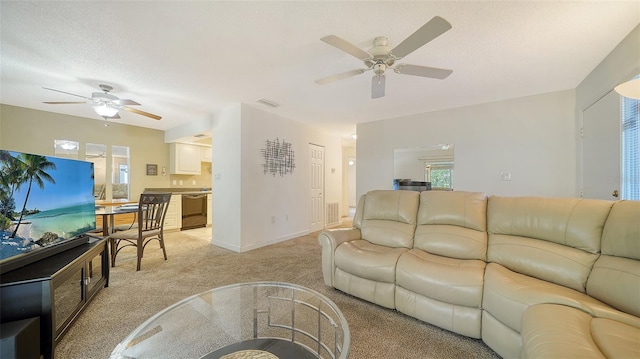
(615, 278)
(452, 224)
(553, 239)
(388, 217)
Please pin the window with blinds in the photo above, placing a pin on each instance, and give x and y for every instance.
(630, 148)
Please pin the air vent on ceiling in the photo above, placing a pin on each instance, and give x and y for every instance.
(264, 101)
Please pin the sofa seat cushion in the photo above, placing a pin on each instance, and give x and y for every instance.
(456, 318)
(508, 294)
(557, 331)
(380, 293)
(367, 260)
(450, 280)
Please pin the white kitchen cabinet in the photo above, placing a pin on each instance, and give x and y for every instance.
(206, 154)
(173, 218)
(184, 159)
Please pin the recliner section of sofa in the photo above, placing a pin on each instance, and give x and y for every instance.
(366, 267)
(450, 238)
(533, 277)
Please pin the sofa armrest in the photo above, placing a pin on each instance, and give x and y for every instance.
(329, 241)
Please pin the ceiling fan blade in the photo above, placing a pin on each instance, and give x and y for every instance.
(124, 102)
(429, 31)
(139, 112)
(424, 71)
(115, 117)
(341, 76)
(68, 93)
(377, 86)
(62, 102)
(347, 47)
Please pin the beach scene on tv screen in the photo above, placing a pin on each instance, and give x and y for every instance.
(44, 201)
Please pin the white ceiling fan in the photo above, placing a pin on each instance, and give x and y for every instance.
(382, 57)
(104, 104)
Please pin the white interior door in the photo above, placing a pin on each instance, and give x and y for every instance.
(601, 148)
(316, 154)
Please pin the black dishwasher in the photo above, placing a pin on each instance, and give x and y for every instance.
(194, 211)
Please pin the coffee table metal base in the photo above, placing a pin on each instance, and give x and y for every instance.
(283, 349)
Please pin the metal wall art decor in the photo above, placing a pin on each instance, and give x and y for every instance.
(278, 158)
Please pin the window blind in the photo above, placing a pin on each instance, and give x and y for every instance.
(630, 148)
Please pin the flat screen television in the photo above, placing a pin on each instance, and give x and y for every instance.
(46, 207)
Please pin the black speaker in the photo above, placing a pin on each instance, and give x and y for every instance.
(20, 339)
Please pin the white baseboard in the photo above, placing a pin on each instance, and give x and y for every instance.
(251, 246)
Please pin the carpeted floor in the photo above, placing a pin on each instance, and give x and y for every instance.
(194, 266)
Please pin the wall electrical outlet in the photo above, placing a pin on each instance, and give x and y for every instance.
(273, 219)
(286, 217)
(505, 176)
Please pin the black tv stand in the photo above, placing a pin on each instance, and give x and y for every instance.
(55, 289)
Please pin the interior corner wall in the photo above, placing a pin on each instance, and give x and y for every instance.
(621, 65)
(275, 208)
(532, 138)
(226, 178)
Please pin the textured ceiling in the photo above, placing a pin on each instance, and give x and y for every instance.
(187, 60)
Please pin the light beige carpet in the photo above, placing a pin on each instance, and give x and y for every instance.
(194, 266)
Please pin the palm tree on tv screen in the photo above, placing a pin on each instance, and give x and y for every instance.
(11, 177)
(34, 170)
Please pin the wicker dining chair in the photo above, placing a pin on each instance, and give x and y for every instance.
(152, 209)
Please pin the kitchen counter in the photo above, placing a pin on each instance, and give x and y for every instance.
(197, 190)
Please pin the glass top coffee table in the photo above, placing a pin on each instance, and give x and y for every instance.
(264, 320)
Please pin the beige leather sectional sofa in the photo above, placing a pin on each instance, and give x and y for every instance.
(532, 277)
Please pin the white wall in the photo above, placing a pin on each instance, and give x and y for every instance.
(533, 138)
(349, 179)
(226, 175)
(622, 64)
(245, 199)
(265, 196)
(407, 166)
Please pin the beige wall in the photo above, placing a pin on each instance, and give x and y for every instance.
(190, 181)
(34, 131)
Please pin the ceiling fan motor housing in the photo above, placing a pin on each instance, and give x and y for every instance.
(381, 54)
(103, 96)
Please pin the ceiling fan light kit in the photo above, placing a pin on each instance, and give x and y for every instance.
(629, 89)
(105, 110)
(105, 104)
(382, 57)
